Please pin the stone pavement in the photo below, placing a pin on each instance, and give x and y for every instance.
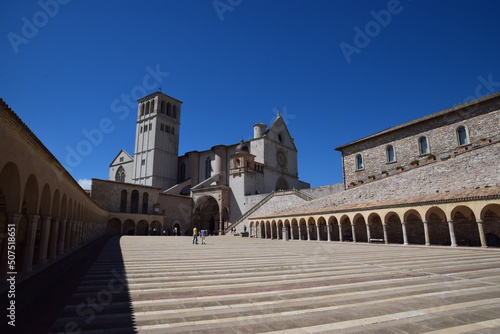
(142, 284)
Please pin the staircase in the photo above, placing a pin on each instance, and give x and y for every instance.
(264, 201)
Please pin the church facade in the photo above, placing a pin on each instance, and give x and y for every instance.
(216, 181)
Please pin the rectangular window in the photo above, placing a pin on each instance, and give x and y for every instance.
(143, 162)
(121, 159)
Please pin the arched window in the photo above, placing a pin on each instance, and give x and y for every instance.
(169, 109)
(120, 175)
(142, 109)
(462, 136)
(208, 168)
(134, 202)
(145, 198)
(123, 201)
(152, 106)
(182, 173)
(162, 107)
(423, 146)
(174, 112)
(390, 154)
(282, 184)
(146, 109)
(359, 162)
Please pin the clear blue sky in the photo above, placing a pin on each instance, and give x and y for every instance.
(337, 70)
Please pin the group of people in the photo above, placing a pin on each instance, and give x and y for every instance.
(203, 234)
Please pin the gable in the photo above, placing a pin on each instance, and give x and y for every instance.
(278, 132)
(121, 158)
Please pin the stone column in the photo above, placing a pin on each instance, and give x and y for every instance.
(54, 238)
(384, 228)
(353, 233)
(426, 233)
(368, 234)
(62, 237)
(318, 237)
(482, 236)
(29, 247)
(12, 219)
(405, 236)
(341, 236)
(277, 231)
(44, 239)
(308, 232)
(452, 234)
(328, 232)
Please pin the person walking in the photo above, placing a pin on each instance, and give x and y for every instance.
(203, 234)
(195, 235)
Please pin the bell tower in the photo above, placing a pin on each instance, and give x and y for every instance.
(157, 141)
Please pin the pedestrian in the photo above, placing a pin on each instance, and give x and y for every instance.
(203, 233)
(244, 228)
(195, 235)
(175, 231)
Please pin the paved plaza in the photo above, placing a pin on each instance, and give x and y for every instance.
(141, 284)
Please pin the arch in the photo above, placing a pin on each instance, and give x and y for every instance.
(114, 226)
(322, 228)
(423, 145)
(123, 200)
(281, 184)
(346, 228)
(156, 227)
(294, 224)
(120, 175)
(393, 228)
(142, 109)
(145, 200)
(390, 154)
(437, 225)
(134, 201)
(146, 109)
(10, 184)
(490, 216)
(162, 107)
(462, 135)
(360, 231)
(31, 195)
(375, 225)
(208, 168)
(128, 227)
(152, 106)
(142, 228)
(169, 109)
(333, 225)
(312, 230)
(206, 214)
(359, 162)
(302, 229)
(414, 227)
(465, 226)
(45, 201)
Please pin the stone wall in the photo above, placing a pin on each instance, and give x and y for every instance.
(477, 167)
(481, 121)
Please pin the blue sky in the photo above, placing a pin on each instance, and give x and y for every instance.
(337, 70)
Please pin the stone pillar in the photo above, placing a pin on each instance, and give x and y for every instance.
(452, 234)
(341, 236)
(368, 234)
(405, 236)
(54, 238)
(353, 233)
(384, 228)
(308, 232)
(277, 231)
(318, 236)
(265, 231)
(44, 239)
(482, 236)
(426, 233)
(29, 247)
(62, 237)
(12, 219)
(328, 232)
